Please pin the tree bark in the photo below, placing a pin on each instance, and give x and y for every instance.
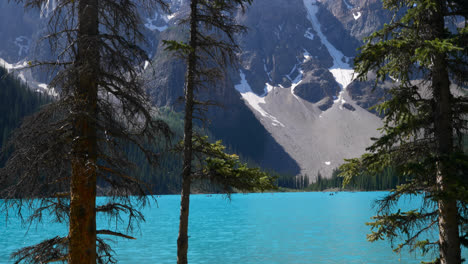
(182, 241)
(449, 241)
(82, 233)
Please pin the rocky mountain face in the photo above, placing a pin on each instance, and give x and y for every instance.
(296, 79)
(17, 30)
(292, 105)
(21, 31)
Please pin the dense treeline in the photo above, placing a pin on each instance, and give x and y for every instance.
(386, 180)
(16, 102)
(292, 182)
(165, 178)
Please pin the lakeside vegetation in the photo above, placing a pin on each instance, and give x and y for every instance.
(386, 180)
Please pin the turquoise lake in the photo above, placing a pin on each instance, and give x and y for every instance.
(253, 228)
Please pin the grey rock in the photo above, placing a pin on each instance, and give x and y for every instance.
(367, 95)
(317, 85)
(349, 107)
(325, 103)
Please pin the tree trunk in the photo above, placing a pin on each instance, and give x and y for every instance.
(82, 233)
(449, 241)
(182, 241)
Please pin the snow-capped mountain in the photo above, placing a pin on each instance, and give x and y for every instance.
(292, 105)
(296, 79)
(306, 72)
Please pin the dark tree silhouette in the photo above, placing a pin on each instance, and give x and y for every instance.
(210, 50)
(73, 148)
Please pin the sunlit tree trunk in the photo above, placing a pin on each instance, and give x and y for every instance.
(82, 233)
(182, 241)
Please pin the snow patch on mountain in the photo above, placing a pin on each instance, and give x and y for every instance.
(357, 15)
(9, 66)
(255, 100)
(46, 89)
(341, 70)
(169, 17)
(147, 63)
(342, 76)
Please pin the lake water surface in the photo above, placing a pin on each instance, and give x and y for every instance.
(254, 228)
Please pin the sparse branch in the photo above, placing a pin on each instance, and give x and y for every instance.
(112, 233)
(47, 251)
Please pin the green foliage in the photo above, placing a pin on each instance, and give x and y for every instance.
(177, 46)
(386, 179)
(226, 170)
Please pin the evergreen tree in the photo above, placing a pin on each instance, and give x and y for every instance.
(424, 50)
(210, 49)
(66, 149)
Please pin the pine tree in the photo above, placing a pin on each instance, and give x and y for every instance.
(210, 50)
(424, 50)
(73, 146)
